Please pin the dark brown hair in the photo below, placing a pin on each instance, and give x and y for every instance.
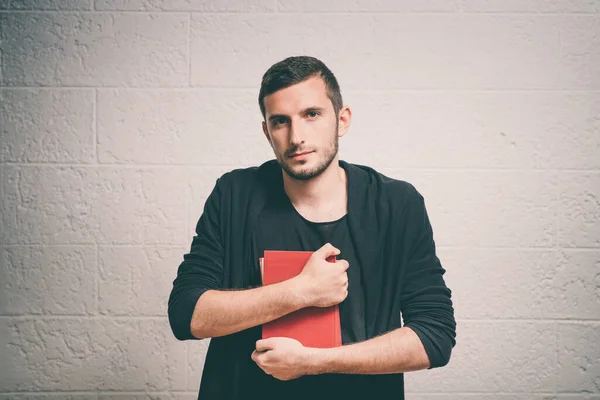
(294, 70)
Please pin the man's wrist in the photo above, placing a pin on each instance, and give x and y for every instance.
(316, 361)
(297, 289)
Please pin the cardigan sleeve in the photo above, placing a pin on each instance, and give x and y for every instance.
(425, 303)
(200, 270)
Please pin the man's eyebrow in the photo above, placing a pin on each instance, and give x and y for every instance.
(276, 116)
(304, 111)
(315, 108)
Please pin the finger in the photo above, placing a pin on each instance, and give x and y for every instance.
(264, 344)
(326, 251)
(343, 264)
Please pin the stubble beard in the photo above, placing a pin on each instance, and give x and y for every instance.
(305, 175)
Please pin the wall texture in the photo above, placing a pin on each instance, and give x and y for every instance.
(117, 116)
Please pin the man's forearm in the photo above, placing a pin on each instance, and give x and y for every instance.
(219, 313)
(396, 351)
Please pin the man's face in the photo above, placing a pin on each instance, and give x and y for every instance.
(302, 128)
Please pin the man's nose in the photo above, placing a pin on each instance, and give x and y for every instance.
(297, 133)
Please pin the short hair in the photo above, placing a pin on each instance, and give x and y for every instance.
(294, 70)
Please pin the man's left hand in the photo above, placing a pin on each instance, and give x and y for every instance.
(283, 358)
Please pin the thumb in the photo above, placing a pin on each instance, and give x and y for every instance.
(264, 344)
(327, 250)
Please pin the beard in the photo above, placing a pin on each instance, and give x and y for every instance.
(323, 163)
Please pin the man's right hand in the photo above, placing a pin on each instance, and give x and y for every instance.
(324, 283)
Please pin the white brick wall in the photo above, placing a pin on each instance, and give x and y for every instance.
(117, 116)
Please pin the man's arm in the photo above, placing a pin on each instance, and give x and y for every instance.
(320, 283)
(425, 341)
(425, 302)
(200, 306)
(220, 313)
(396, 351)
(429, 331)
(201, 269)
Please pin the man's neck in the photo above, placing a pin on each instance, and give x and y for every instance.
(322, 198)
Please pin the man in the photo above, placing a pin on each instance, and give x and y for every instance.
(307, 199)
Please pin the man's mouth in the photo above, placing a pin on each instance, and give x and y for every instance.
(299, 154)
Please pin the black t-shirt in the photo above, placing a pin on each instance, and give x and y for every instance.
(281, 227)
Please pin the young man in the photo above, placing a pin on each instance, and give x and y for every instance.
(307, 199)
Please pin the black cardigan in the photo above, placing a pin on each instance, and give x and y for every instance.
(401, 273)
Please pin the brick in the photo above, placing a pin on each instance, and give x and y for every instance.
(578, 358)
(579, 214)
(453, 51)
(523, 279)
(55, 49)
(533, 284)
(577, 288)
(337, 6)
(487, 208)
(68, 205)
(479, 129)
(49, 396)
(137, 280)
(48, 280)
(181, 127)
(580, 52)
(3, 121)
(47, 125)
(530, 6)
(196, 357)
(2, 203)
(150, 208)
(99, 354)
(102, 396)
(492, 356)
(62, 5)
(188, 5)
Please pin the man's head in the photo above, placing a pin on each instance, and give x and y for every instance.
(303, 112)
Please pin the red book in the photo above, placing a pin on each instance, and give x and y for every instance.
(311, 326)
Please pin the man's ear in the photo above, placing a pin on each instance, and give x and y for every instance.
(344, 120)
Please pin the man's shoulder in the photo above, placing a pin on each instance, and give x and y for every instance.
(382, 184)
(247, 177)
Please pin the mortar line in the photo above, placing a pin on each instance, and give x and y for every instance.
(140, 392)
(121, 166)
(565, 321)
(556, 358)
(161, 317)
(97, 282)
(380, 168)
(95, 125)
(64, 317)
(192, 222)
(453, 13)
(108, 245)
(189, 48)
(187, 363)
(348, 90)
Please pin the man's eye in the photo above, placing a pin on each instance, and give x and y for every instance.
(277, 122)
(312, 114)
